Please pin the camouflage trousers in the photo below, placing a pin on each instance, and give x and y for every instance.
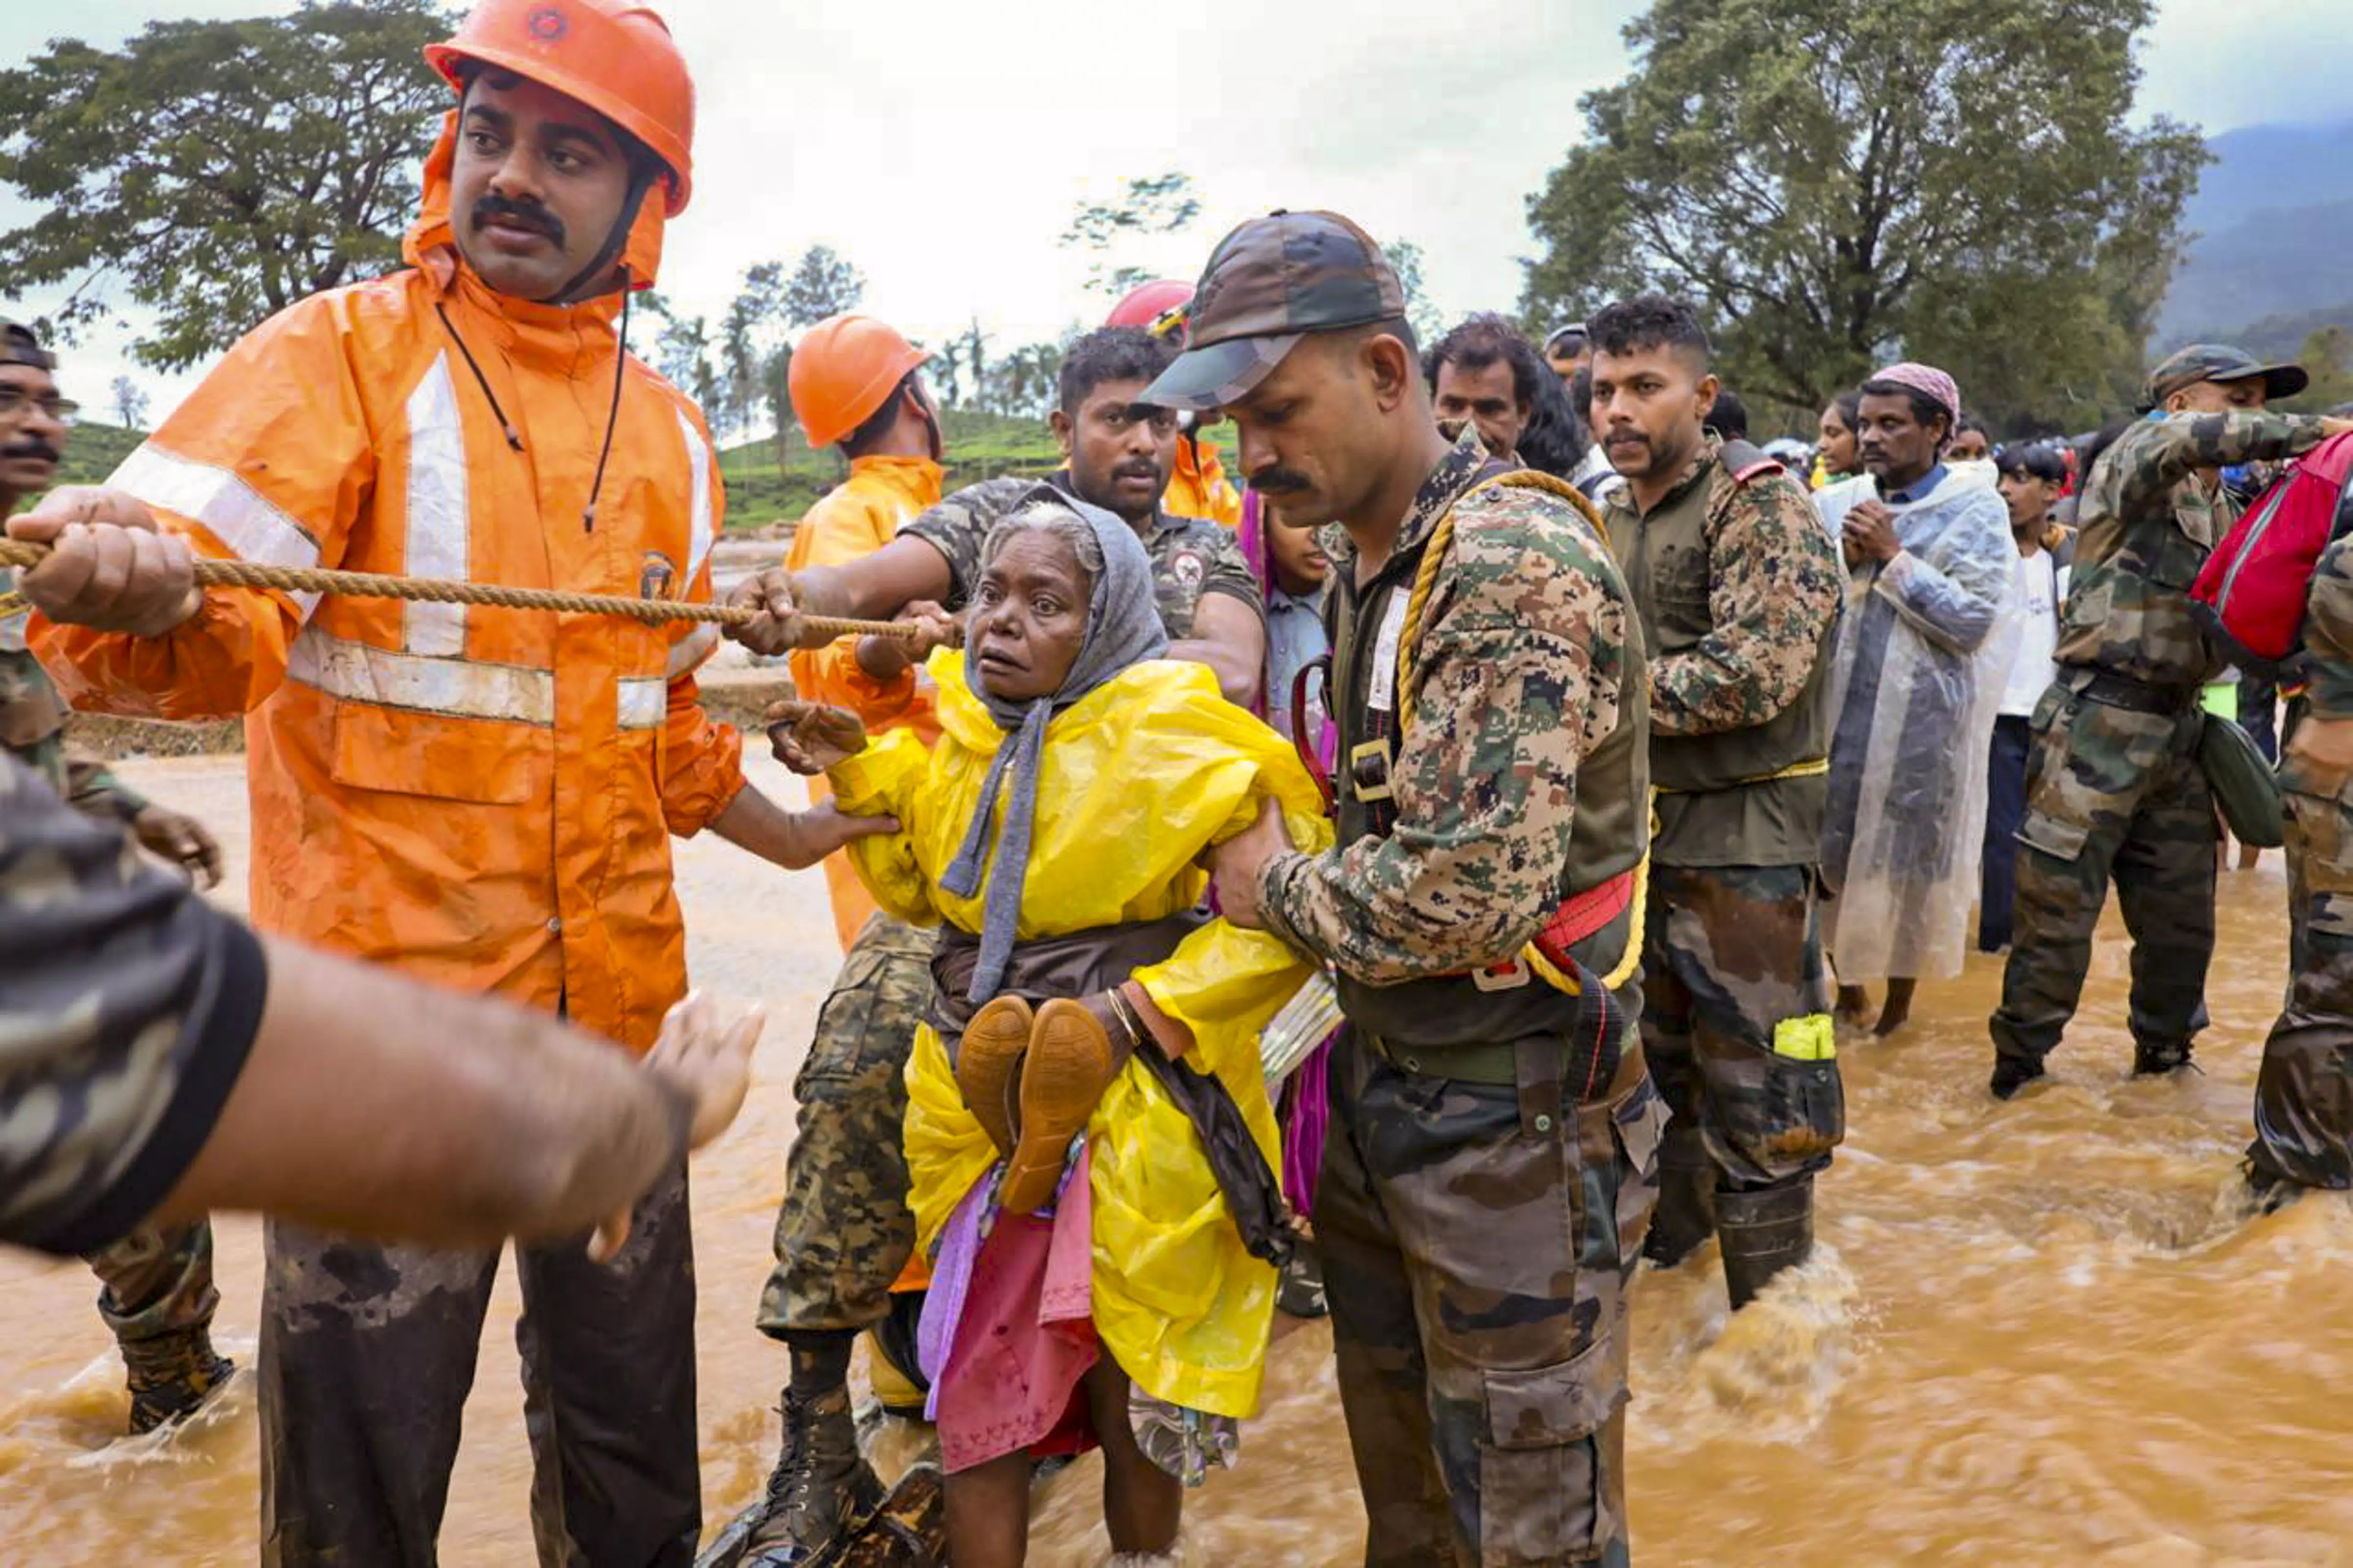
(844, 1231)
(2110, 793)
(1729, 953)
(157, 1282)
(2304, 1092)
(367, 1355)
(1477, 1241)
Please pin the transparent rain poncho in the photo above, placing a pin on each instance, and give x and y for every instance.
(1922, 657)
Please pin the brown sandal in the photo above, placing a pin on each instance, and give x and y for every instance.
(1069, 1065)
(989, 1062)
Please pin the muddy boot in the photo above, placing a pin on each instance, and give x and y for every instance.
(2011, 1073)
(170, 1374)
(821, 1492)
(2155, 1061)
(1686, 1213)
(1762, 1234)
(912, 1530)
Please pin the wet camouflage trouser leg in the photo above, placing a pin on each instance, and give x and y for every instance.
(157, 1282)
(2303, 1093)
(2110, 793)
(1476, 1249)
(844, 1231)
(368, 1354)
(1729, 952)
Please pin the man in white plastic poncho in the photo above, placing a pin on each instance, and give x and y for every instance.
(1921, 664)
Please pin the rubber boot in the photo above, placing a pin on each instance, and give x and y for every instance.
(170, 1374)
(2155, 1061)
(1762, 1234)
(822, 1491)
(1686, 1213)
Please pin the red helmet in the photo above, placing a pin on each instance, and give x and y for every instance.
(615, 56)
(1160, 307)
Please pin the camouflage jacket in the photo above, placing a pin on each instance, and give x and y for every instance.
(1740, 590)
(2145, 524)
(132, 1005)
(1190, 556)
(33, 731)
(2329, 628)
(1526, 666)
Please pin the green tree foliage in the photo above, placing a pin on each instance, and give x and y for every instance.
(130, 403)
(1834, 184)
(823, 283)
(1145, 209)
(218, 171)
(2328, 354)
(1421, 312)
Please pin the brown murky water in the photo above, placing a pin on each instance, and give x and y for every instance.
(2034, 1333)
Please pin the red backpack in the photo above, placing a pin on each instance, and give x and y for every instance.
(2250, 594)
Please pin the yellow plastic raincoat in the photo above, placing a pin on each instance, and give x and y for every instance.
(1139, 776)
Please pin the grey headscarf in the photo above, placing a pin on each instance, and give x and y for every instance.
(1122, 628)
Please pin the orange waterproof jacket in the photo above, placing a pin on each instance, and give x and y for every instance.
(1200, 487)
(857, 518)
(480, 796)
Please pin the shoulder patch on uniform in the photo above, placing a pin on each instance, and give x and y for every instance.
(1758, 470)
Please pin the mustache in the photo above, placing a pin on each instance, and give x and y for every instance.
(1276, 481)
(33, 448)
(1139, 468)
(534, 217)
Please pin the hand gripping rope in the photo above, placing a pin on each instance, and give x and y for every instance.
(377, 586)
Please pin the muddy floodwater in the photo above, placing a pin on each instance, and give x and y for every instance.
(2033, 1332)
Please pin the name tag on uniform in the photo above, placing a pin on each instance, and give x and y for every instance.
(1382, 695)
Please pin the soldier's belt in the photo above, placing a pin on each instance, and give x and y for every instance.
(1494, 1065)
(2112, 690)
(1805, 768)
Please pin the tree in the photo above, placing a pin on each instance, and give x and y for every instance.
(130, 403)
(1421, 312)
(1956, 180)
(1145, 207)
(684, 357)
(823, 284)
(755, 321)
(219, 171)
(2328, 354)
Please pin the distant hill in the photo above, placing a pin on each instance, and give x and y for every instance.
(2275, 219)
(92, 451)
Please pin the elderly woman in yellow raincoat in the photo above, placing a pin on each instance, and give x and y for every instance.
(1074, 1164)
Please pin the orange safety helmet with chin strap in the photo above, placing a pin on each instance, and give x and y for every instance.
(615, 56)
(842, 370)
(1160, 308)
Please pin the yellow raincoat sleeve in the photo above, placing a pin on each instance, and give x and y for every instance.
(269, 459)
(887, 779)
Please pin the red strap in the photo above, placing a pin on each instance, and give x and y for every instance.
(1768, 466)
(1582, 914)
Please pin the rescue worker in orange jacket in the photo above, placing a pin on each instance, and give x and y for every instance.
(482, 797)
(1198, 485)
(844, 1239)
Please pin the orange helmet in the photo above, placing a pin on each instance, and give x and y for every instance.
(615, 56)
(842, 370)
(1159, 307)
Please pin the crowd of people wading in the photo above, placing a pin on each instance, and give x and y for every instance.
(1415, 885)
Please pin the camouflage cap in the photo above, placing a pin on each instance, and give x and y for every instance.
(1270, 283)
(2218, 361)
(19, 346)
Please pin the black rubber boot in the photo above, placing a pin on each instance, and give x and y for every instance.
(2154, 1062)
(2011, 1073)
(171, 1375)
(1762, 1234)
(1686, 1213)
(822, 1491)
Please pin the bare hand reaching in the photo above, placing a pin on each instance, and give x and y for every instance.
(811, 737)
(705, 1053)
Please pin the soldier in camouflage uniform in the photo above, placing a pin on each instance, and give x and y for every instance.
(843, 1232)
(1491, 1157)
(2114, 787)
(2304, 1092)
(157, 1295)
(1738, 588)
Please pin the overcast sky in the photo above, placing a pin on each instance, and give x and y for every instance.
(941, 144)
